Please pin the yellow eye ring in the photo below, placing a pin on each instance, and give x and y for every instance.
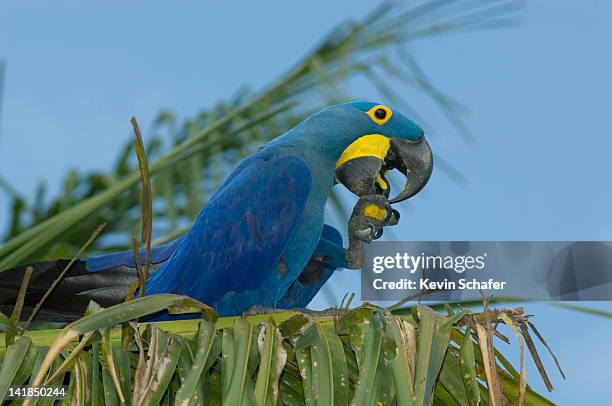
(380, 114)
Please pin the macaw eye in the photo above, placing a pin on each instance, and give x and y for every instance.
(380, 114)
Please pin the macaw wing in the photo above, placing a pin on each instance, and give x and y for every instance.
(242, 233)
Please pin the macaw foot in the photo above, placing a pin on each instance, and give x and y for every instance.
(369, 216)
(326, 312)
(257, 310)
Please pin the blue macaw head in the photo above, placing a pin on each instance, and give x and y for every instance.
(376, 117)
(370, 139)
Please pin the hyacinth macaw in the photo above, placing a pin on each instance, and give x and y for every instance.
(261, 238)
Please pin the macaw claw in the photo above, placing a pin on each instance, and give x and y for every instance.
(369, 216)
(257, 310)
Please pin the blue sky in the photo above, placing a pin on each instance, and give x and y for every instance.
(538, 98)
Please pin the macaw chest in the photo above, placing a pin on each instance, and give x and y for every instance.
(302, 245)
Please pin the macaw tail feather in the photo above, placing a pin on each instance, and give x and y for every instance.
(72, 294)
(104, 279)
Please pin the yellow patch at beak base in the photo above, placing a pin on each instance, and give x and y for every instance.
(381, 182)
(374, 145)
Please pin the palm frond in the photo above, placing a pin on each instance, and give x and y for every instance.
(359, 356)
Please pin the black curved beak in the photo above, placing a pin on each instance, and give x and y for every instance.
(414, 159)
(365, 175)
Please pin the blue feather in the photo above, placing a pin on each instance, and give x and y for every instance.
(240, 236)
